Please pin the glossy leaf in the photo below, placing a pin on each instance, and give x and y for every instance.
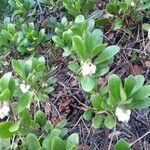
(72, 142)
(87, 83)
(110, 122)
(97, 121)
(112, 8)
(79, 47)
(142, 93)
(19, 67)
(129, 84)
(40, 118)
(96, 101)
(114, 87)
(57, 40)
(58, 144)
(24, 101)
(107, 54)
(139, 104)
(122, 145)
(5, 95)
(14, 127)
(97, 35)
(87, 114)
(32, 142)
(4, 129)
(73, 66)
(139, 79)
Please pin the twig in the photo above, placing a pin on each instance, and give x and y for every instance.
(56, 110)
(110, 143)
(140, 138)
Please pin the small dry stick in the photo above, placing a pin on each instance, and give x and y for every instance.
(140, 138)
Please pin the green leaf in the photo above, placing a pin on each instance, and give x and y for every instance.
(40, 118)
(11, 28)
(73, 66)
(69, 5)
(14, 127)
(5, 81)
(146, 26)
(6, 34)
(58, 144)
(32, 142)
(79, 47)
(101, 71)
(97, 121)
(54, 133)
(142, 93)
(139, 104)
(64, 21)
(67, 35)
(118, 24)
(87, 83)
(74, 138)
(4, 129)
(40, 67)
(110, 122)
(102, 21)
(25, 99)
(90, 24)
(5, 95)
(87, 36)
(96, 50)
(96, 101)
(107, 54)
(123, 94)
(112, 8)
(61, 124)
(25, 117)
(114, 86)
(58, 40)
(87, 114)
(4, 144)
(7, 20)
(79, 19)
(122, 145)
(97, 35)
(139, 83)
(19, 67)
(48, 126)
(129, 84)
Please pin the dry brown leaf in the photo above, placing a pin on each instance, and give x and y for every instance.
(135, 69)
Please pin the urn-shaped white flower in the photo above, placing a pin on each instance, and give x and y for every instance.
(88, 68)
(24, 88)
(122, 114)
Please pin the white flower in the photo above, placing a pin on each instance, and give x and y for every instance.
(123, 115)
(132, 4)
(4, 109)
(88, 68)
(24, 88)
(149, 33)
